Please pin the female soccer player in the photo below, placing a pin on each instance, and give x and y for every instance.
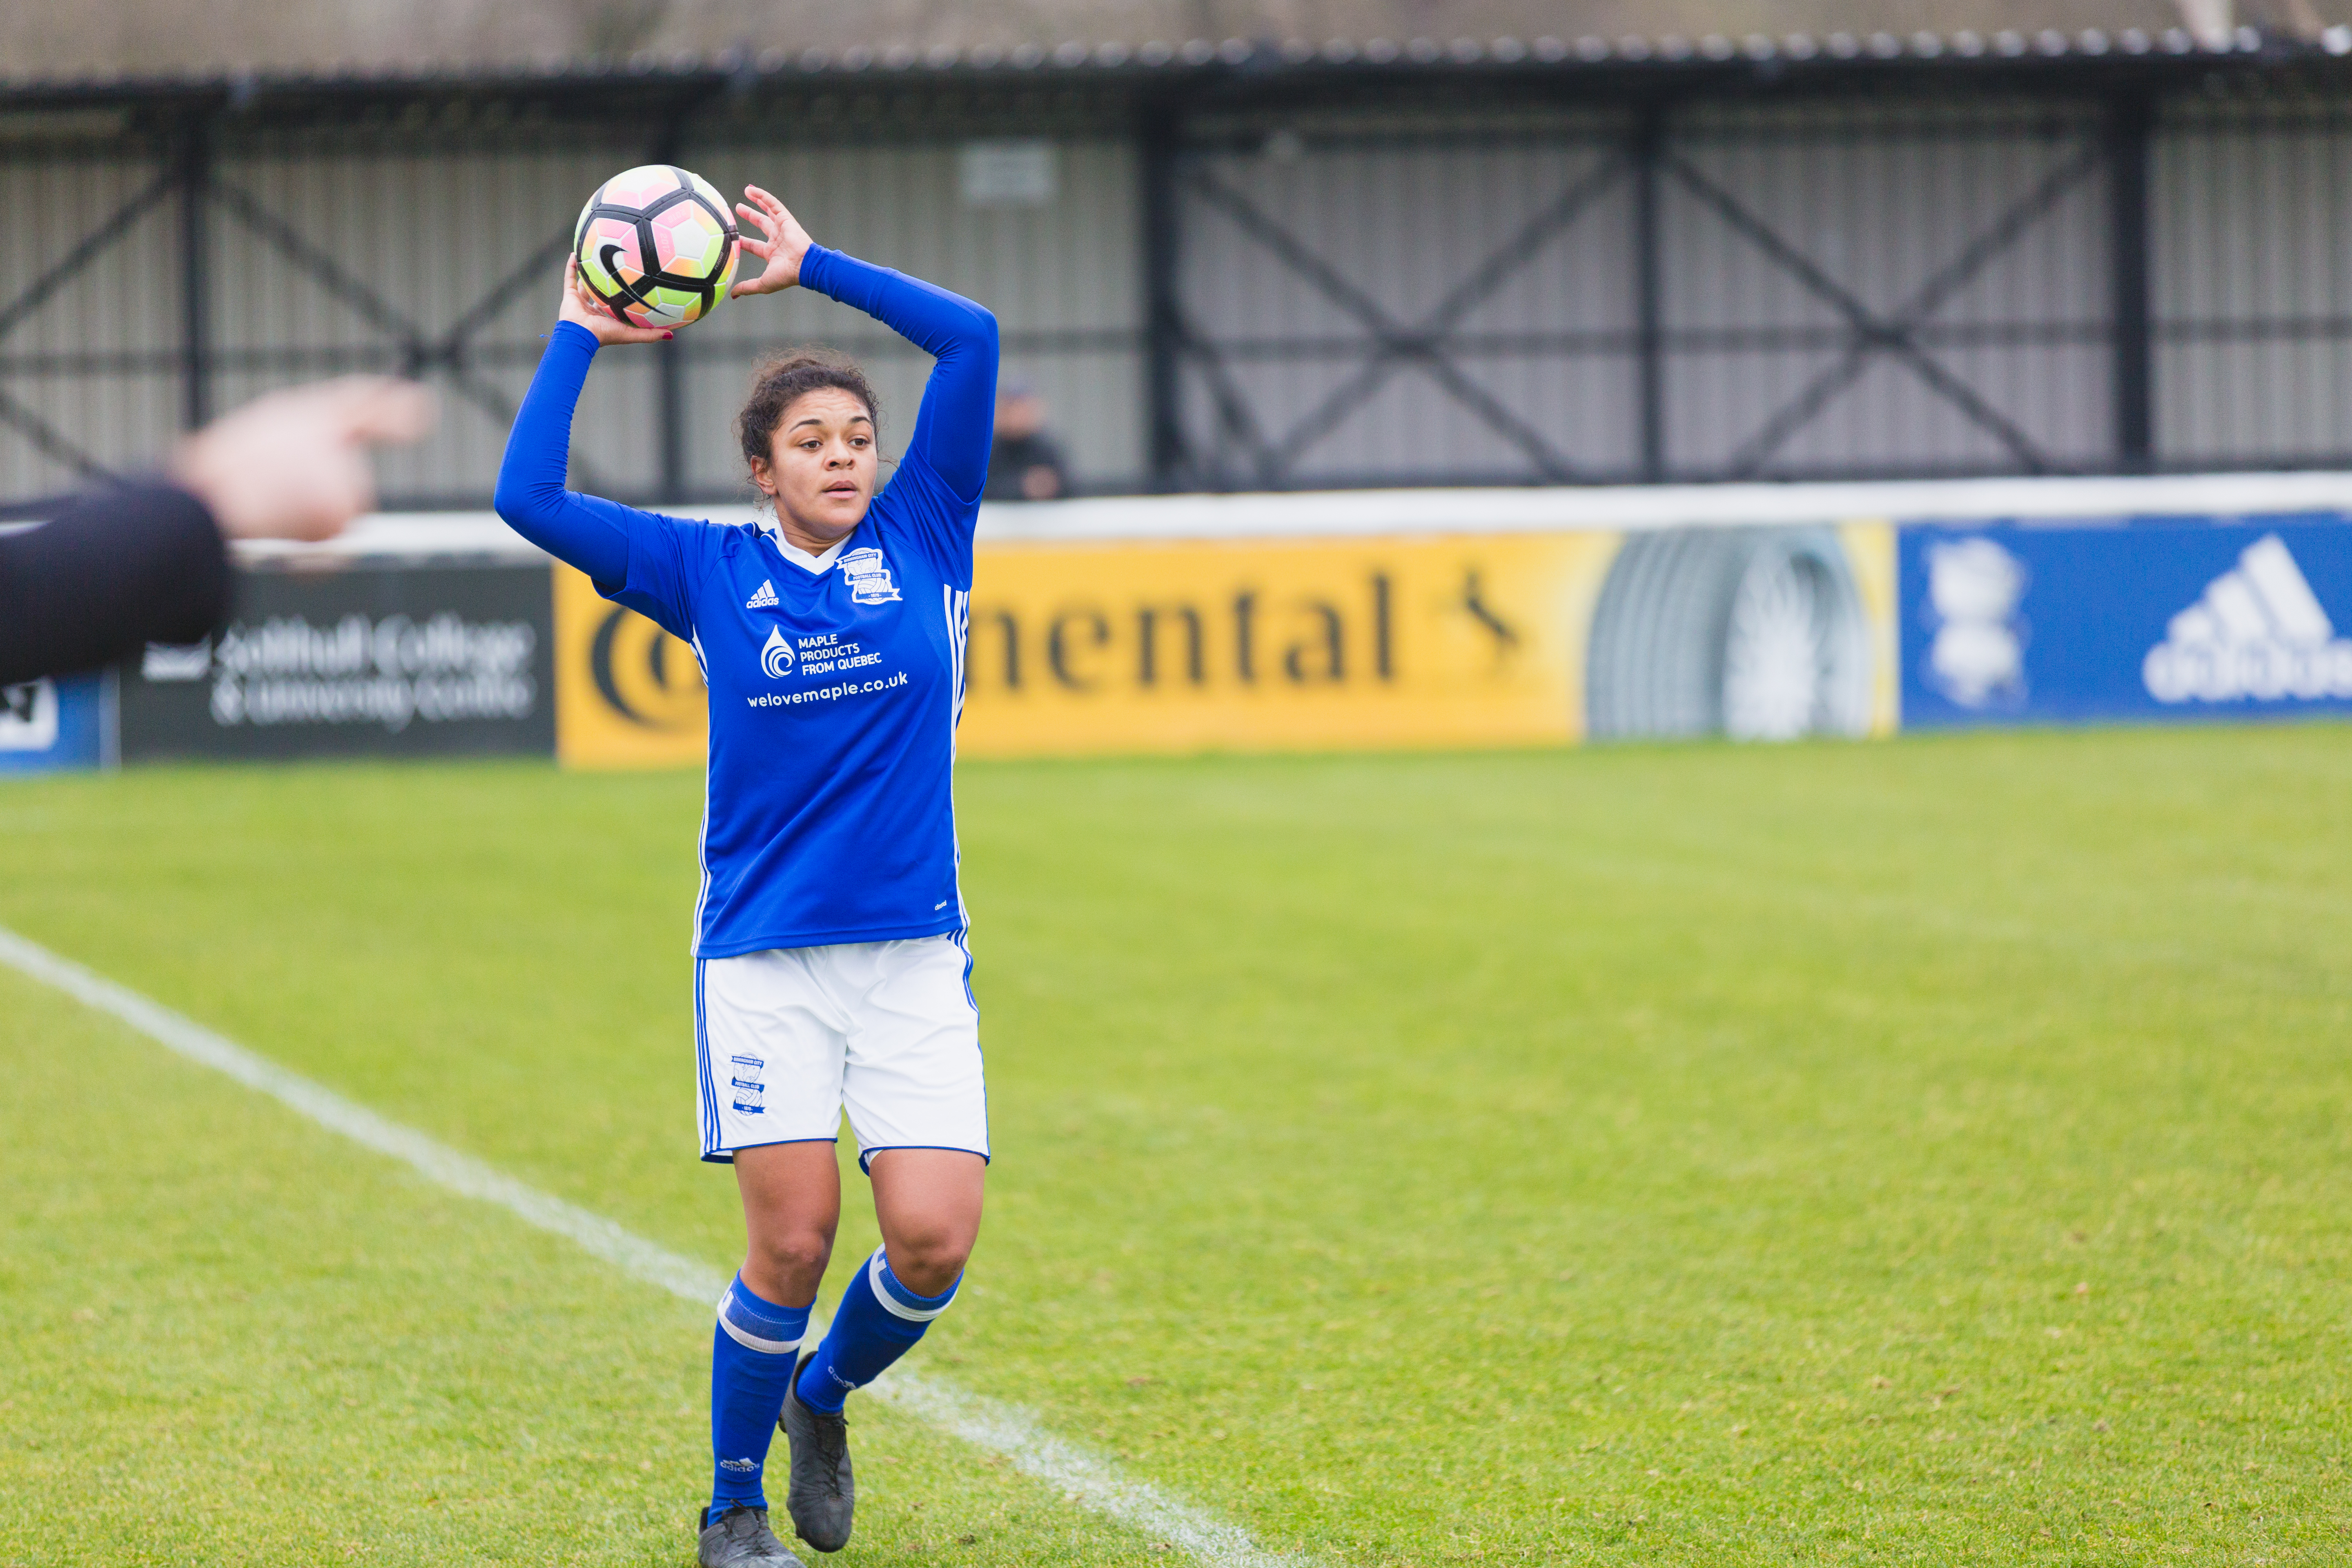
(830, 966)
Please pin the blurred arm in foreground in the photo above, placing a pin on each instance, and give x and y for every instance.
(130, 564)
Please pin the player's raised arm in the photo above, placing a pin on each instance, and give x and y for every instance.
(955, 425)
(585, 531)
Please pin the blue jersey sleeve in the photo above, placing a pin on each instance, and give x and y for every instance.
(947, 458)
(641, 559)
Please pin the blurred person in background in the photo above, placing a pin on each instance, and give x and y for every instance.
(124, 565)
(1025, 463)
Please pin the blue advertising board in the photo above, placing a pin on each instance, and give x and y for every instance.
(45, 725)
(2164, 620)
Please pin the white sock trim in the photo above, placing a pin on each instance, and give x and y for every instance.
(751, 1342)
(891, 1304)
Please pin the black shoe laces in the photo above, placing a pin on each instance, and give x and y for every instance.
(832, 1434)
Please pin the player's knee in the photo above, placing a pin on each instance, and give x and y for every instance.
(927, 1259)
(793, 1254)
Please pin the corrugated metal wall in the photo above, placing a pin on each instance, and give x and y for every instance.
(1979, 232)
(412, 248)
(1322, 267)
(90, 360)
(1316, 261)
(2253, 283)
(1061, 276)
(1838, 289)
(344, 258)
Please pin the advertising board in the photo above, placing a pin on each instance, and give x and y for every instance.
(627, 694)
(366, 660)
(65, 722)
(1520, 639)
(2154, 620)
(1364, 620)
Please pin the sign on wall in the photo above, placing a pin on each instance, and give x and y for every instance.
(1439, 640)
(628, 694)
(369, 661)
(1268, 627)
(1180, 647)
(1444, 640)
(2174, 620)
(45, 725)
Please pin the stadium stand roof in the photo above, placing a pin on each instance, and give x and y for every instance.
(112, 45)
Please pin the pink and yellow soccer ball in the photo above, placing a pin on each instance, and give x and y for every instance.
(657, 245)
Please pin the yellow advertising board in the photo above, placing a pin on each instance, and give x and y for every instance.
(627, 694)
(1526, 638)
(1326, 644)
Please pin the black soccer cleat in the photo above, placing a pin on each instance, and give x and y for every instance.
(741, 1537)
(823, 1495)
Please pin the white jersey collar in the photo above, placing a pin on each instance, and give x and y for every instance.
(816, 565)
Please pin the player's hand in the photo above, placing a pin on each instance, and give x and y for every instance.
(774, 235)
(583, 309)
(294, 464)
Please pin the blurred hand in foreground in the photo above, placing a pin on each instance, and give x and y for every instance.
(294, 464)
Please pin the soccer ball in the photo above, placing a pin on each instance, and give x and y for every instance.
(658, 246)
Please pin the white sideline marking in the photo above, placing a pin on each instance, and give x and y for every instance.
(984, 1423)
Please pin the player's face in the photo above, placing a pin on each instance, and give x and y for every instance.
(821, 464)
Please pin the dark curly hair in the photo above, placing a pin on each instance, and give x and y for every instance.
(784, 380)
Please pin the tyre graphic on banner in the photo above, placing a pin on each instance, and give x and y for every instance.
(1760, 634)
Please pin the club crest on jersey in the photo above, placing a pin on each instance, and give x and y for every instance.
(776, 656)
(869, 576)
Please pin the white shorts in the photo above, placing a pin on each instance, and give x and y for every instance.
(790, 1037)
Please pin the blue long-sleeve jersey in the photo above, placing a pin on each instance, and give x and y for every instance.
(834, 693)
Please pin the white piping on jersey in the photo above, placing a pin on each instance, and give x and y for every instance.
(814, 565)
(702, 832)
(957, 607)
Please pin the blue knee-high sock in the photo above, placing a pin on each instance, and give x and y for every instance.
(879, 1321)
(751, 1354)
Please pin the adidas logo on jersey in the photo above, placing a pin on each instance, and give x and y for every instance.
(765, 598)
(2258, 631)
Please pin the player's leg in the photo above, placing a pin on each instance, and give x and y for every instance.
(791, 1205)
(914, 1089)
(929, 1203)
(771, 1054)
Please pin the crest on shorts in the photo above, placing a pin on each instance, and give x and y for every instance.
(869, 576)
(747, 1085)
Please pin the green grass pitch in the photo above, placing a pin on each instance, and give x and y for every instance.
(1937, 1151)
